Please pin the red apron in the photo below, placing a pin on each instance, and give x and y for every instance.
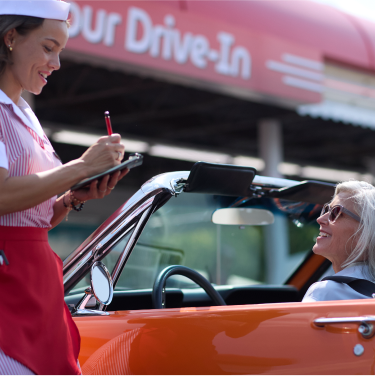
(36, 327)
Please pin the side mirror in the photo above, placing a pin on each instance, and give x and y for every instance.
(243, 217)
(101, 283)
(101, 288)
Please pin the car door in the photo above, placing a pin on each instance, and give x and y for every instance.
(253, 339)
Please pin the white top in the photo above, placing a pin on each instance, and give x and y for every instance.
(52, 9)
(26, 114)
(25, 150)
(331, 290)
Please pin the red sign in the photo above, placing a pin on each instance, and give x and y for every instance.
(162, 37)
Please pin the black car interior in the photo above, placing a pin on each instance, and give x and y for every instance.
(219, 180)
(177, 298)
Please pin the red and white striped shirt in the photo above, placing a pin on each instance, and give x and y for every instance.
(10, 366)
(25, 150)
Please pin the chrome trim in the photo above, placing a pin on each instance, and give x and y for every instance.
(82, 303)
(366, 327)
(322, 321)
(97, 249)
(85, 300)
(82, 262)
(120, 214)
(89, 312)
(163, 181)
(93, 255)
(128, 248)
(178, 185)
(358, 349)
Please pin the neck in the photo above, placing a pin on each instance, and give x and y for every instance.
(336, 267)
(10, 87)
(337, 263)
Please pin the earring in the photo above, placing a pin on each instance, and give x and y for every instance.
(10, 48)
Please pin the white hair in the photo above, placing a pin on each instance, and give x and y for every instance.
(363, 197)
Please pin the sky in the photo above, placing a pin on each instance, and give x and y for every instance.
(361, 8)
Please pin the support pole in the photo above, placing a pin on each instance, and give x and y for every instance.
(270, 146)
(218, 255)
(276, 239)
(370, 164)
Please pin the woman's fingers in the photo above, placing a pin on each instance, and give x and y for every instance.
(107, 184)
(113, 142)
(103, 186)
(89, 194)
(113, 181)
(86, 193)
(115, 138)
(123, 173)
(118, 155)
(106, 153)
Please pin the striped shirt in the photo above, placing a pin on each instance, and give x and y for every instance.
(25, 150)
(10, 366)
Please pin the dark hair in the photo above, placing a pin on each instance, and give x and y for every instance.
(23, 26)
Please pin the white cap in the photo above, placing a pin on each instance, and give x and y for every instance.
(51, 9)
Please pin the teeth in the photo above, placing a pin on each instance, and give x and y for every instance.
(43, 75)
(324, 235)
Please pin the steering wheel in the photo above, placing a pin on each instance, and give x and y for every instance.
(158, 292)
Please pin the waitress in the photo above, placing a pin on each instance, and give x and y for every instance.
(37, 333)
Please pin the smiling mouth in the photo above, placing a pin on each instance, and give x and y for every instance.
(324, 234)
(44, 75)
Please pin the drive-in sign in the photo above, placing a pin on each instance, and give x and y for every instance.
(167, 42)
(163, 38)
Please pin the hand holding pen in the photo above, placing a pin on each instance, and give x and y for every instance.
(99, 157)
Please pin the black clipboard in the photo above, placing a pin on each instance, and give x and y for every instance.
(133, 161)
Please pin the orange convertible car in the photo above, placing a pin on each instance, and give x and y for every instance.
(203, 272)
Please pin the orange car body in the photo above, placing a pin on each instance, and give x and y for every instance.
(276, 338)
(270, 338)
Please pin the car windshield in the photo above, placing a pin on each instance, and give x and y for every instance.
(182, 233)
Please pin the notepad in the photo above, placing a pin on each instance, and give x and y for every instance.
(134, 160)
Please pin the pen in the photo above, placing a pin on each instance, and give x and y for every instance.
(108, 123)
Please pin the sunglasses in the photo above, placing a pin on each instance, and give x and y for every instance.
(335, 212)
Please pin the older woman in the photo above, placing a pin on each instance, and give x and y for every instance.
(347, 239)
(37, 333)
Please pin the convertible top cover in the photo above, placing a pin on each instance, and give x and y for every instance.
(220, 179)
(308, 191)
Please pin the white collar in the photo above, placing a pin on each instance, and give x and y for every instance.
(356, 270)
(19, 110)
(358, 263)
